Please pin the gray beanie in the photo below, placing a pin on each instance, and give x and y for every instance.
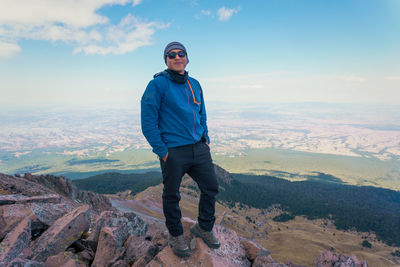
(172, 46)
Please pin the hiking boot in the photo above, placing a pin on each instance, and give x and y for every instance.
(178, 245)
(208, 237)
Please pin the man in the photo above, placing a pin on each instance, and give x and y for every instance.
(174, 122)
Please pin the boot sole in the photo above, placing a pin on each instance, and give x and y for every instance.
(216, 246)
(180, 253)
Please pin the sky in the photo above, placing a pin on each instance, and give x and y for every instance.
(104, 52)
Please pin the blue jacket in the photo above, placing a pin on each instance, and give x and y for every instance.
(173, 114)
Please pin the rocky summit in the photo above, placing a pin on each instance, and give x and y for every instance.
(47, 221)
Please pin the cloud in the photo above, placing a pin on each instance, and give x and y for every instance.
(206, 12)
(136, 2)
(225, 14)
(8, 50)
(72, 22)
(130, 34)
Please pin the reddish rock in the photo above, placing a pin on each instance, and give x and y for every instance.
(49, 213)
(73, 263)
(22, 199)
(18, 185)
(109, 248)
(86, 256)
(62, 233)
(10, 216)
(253, 249)
(267, 261)
(66, 188)
(330, 259)
(125, 223)
(140, 250)
(231, 252)
(63, 258)
(21, 262)
(15, 242)
(98, 202)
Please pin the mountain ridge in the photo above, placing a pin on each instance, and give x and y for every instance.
(68, 231)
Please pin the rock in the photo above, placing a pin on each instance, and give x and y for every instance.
(126, 223)
(267, 261)
(22, 199)
(253, 249)
(19, 262)
(41, 214)
(57, 184)
(109, 247)
(97, 201)
(330, 259)
(66, 188)
(231, 252)
(86, 256)
(49, 213)
(16, 185)
(10, 216)
(65, 258)
(15, 242)
(140, 250)
(73, 263)
(62, 233)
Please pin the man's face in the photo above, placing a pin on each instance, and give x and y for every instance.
(177, 63)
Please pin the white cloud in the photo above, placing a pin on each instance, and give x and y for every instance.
(130, 34)
(206, 12)
(136, 2)
(225, 14)
(73, 22)
(8, 49)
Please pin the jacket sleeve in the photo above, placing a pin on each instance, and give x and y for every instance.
(150, 109)
(203, 116)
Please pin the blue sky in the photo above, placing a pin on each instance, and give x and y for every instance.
(104, 52)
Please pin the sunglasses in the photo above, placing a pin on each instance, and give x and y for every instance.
(172, 55)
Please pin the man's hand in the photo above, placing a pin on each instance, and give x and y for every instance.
(165, 158)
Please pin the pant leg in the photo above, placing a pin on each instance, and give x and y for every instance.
(172, 172)
(202, 171)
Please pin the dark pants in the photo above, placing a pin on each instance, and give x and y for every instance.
(196, 161)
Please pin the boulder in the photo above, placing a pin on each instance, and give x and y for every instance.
(109, 248)
(22, 199)
(125, 223)
(231, 252)
(49, 213)
(253, 249)
(140, 250)
(66, 188)
(10, 216)
(20, 262)
(98, 202)
(267, 261)
(17, 185)
(65, 258)
(62, 233)
(15, 242)
(330, 259)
